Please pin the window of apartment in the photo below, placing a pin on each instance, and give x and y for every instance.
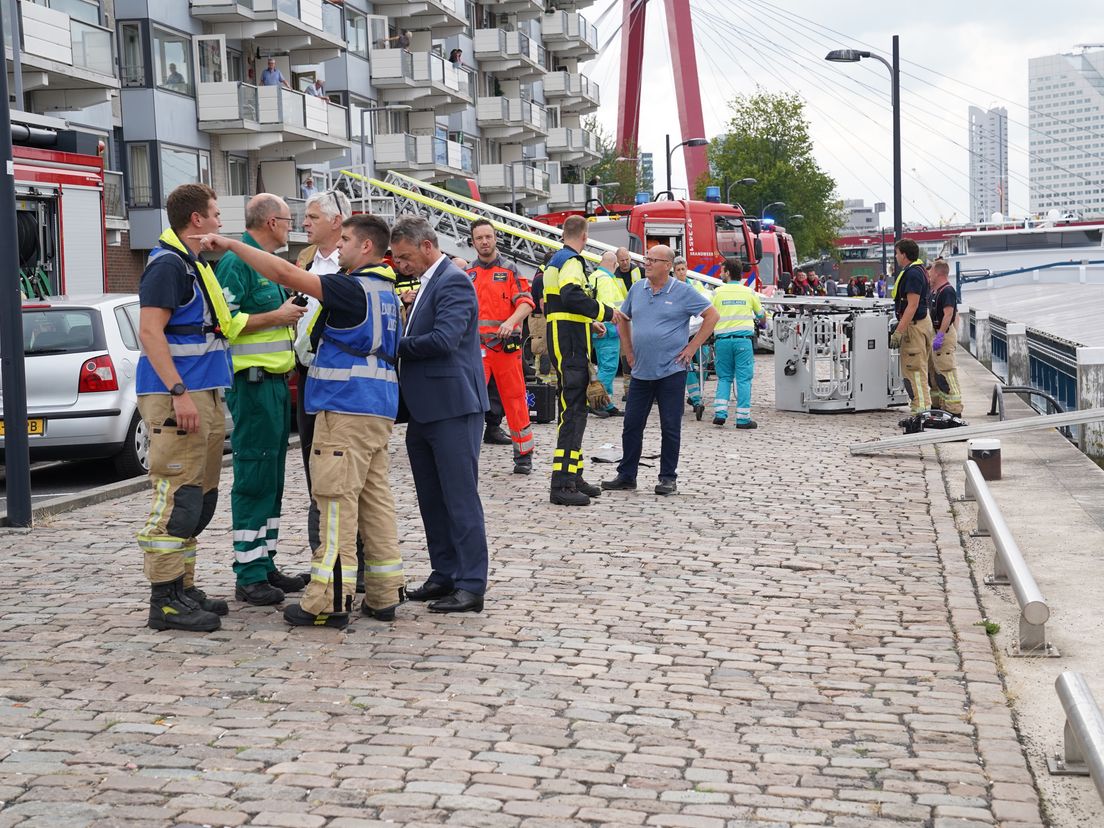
(132, 66)
(331, 18)
(172, 61)
(234, 65)
(183, 166)
(237, 175)
(356, 30)
(469, 16)
(139, 176)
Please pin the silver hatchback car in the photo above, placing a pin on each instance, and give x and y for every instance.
(81, 353)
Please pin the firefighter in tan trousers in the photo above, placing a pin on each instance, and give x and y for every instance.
(353, 389)
(942, 369)
(184, 325)
(913, 334)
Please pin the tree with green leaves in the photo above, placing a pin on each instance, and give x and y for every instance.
(609, 170)
(768, 139)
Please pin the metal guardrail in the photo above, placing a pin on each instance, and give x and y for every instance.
(1053, 406)
(1010, 568)
(1083, 734)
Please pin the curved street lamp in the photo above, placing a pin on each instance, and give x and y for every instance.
(689, 142)
(763, 212)
(854, 56)
(743, 182)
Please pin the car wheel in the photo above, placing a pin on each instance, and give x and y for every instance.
(133, 460)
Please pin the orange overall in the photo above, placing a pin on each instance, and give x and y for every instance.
(500, 292)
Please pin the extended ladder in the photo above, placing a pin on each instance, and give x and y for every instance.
(521, 239)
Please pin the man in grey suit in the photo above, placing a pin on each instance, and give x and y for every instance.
(442, 390)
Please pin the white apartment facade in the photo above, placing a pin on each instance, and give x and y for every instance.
(1066, 140)
(988, 162)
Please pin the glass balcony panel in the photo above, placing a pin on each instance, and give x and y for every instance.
(92, 47)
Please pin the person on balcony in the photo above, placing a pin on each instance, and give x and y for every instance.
(317, 89)
(272, 76)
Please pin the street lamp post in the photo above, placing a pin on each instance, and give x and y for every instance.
(743, 182)
(763, 212)
(854, 56)
(689, 142)
(363, 112)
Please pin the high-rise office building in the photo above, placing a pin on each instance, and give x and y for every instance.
(988, 162)
(1066, 99)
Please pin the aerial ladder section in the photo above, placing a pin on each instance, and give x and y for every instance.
(450, 215)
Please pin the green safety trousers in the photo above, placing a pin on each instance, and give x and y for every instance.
(262, 422)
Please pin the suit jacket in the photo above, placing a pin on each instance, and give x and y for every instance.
(440, 359)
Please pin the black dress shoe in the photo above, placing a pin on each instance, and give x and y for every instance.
(459, 601)
(666, 487)
(589, 489)
(618, 485)
(288, 583)
(260, 594)
(429, 591)
(496, 437)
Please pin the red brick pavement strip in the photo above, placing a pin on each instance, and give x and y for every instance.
(784, 643)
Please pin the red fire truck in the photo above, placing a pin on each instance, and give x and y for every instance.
(61, 237)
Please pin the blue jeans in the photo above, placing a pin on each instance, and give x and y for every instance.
(608, 350)
(642, 393)
(735, 359)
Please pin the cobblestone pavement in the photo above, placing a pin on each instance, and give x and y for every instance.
(787, 642)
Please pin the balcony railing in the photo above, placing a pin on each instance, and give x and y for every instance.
(114, 203)
(571, 84)
(432, 68)
(512, 112)
(230, 101)
(516, 46)
(423, 152)
(54, 35)
(569, 30)
(92, 47)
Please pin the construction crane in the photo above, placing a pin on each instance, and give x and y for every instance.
(943, 222)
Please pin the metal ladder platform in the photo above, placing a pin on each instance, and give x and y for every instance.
(954, 435)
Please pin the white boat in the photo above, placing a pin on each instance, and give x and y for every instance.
(1042, 253)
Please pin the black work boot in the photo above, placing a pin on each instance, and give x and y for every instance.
(568, 497)
(296, 616)
(589, 489)
(170, 610)
(199, 597)
(385, 613)
(288, 583)
(523, 463)
(260, 594)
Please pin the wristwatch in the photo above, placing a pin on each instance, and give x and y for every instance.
(178, 390)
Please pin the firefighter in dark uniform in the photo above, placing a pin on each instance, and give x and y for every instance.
(914, 333)
(569, 311)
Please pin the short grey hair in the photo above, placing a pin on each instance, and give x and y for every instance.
(678, 260)
(332, 203)
(261, 208)
(413, 229)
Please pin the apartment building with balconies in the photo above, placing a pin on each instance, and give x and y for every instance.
(436, 89)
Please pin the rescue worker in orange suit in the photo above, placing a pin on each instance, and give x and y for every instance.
(913, 334)
(504, 302)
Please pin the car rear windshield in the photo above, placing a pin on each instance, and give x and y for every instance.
(61, 331)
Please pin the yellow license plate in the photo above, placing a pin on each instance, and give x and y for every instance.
(34, 426)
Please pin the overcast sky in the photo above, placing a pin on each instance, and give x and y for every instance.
(779, 45)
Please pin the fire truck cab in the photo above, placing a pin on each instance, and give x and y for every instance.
(705, 232)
